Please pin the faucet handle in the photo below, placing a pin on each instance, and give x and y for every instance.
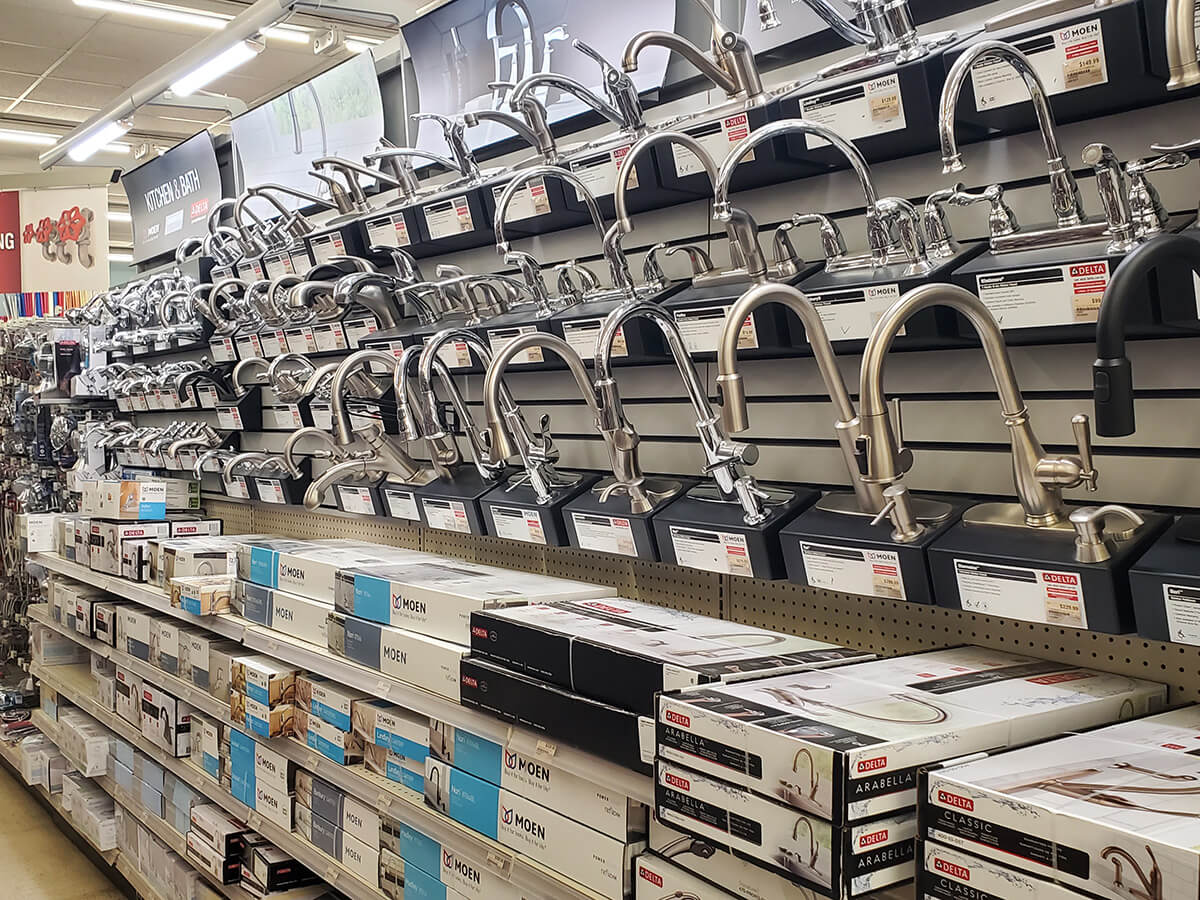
(652, 272)
(1001, 218)
(568, 271)
(1183, 146)
(937, 226)
(702, 263)
(1174, 159)
(1091, 529)
(905, 527)
(833, 245)
(787, 260)
(1082, 428)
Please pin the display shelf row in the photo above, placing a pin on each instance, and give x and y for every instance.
(378, 792)
(318, 660)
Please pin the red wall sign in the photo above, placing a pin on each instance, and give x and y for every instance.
(10, 242)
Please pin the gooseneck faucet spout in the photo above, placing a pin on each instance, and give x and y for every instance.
(1152, 881)
(1068, 207)
(733, 392)
(1039, 479)
(1112, 372)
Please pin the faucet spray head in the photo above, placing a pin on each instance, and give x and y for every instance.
(735, 418)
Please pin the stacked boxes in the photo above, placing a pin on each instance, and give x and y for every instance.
(395, 741)
(299, 617)
(323, 718)
(122, 548)
(345, 828)
(216, 843)
(262, 779)
(262, 695)
(430, 864)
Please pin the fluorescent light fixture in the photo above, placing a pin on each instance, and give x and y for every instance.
(120, 257)
(33, 138)
(116, 215)
(292, 34)
(161, 12)
(354, 45)
(221, 64)
(101, 138)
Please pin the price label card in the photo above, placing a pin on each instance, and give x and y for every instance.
(716, 138)
(518, 524)
(865, 109)
(582, 335)
(389, 231)
(448, 218)
(499, 338)
(701, 328)
(1066, 59)
(530, 201)
(446, 515)
(607, 534)
(599, 173)
(327, 246)
(1049, 295)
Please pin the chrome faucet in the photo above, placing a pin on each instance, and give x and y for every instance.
(1181, 44)
(1152, 882)
(1038, 477)
(625, 108)
(732, 67)
(373, 290)
(455, 133)
(884, 27)
(724, 460)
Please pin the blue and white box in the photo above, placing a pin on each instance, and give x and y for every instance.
(423, 853)
(342, 747)
(400, 730)
(279, 610)
(427, 662)
(327, 700)
(408, 773)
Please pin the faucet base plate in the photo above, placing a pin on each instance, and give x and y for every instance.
(929, 512)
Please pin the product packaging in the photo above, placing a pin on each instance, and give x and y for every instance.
(166, 720)
(202, 595)
(402, 731)
(342, 747)
(218, 830)
(259, 718)
(306, 568)
(425, 854)
(427, 662)
(408, 773)
(296, 616)
(361, 858)
(125, 499)
(327, 699)
(129, 696)
(334, 806)
(263, 679)
(106, 539)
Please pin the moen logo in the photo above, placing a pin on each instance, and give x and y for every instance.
(526, 767)
(1089, 269)
(956, 801)
(271, 801)
(653, 877)
(291, 572)
(524, 823)
(1075, 32)
(962, 873)
(675, 781)
(284, 613)
(402, 603)
(478, 632)
(1060, 578)
(875, 837)
(460, 868)
(872, 765)
(677, 719)
(396, 655)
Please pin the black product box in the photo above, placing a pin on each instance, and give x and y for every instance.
(606, 731)
(277, 871)
(624, 652)
(1165, 585)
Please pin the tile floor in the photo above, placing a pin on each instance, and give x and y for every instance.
(38, 861)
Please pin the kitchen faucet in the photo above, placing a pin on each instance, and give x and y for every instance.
(813, 847)
(531, 126)
(885, 28)
(1152, 883)
(1181, 44)
(625, 108)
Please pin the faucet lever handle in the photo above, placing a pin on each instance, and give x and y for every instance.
(1081, 426)
(701, 262)
(1001, 218)
(832, 243)
(652, 272)
(787, 260)
(1173, 159)
(1182, 146)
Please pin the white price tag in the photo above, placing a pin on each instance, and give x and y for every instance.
(221, 349)
(357, 330)
(1033, 595)
(582, 335)
(607, 534)
(713, 551)
(390, 231)
(356, 499)
(1050, 295)
(853, 570)
(229, 417)
(518, 524)
(856, 111)
(1066, 59)
(599, 172)
(301, 340)
(448, 218)
(446, 515)
(327, 246)
(499, 338)
(273, 343)
(329, 337)
(716, 138)
(851, 313)
(527, 203)
(402, 504)
(1183, 613)
(270, 490)
(453, 354)
(701, 328)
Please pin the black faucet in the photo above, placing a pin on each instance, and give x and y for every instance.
(1112, 373)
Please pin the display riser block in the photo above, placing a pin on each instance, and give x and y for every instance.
(521, 497)
(466, 488)
(641, 525)
(1165, 584)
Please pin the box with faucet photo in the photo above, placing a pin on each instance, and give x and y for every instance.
(949, 874)
(625, 652)
(847, 743)
(1111, 812)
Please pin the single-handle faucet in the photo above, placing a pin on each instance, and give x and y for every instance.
(1152, 881)
(455, 133)
(621, 91)
(724, 460)
(732, 67)
(1112, 373)
(531, 126)
(376, 291)
(1064, 192)
(884, 27)
(1039, 478)
(809, 862)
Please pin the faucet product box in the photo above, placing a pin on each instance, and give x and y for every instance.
(53, 649)
(196, 665)
(106, 690)
(846, 743)
(65, 537)
(108, 538)
(276, 870)
(137, 630)
(402, 731)
(327, 699)
(129, 696)
(437, 598)
(225, 869)
(263, 679)
(361, 858)
(541, 834)
(201, 556)
(218, 830)
(135, 560)
(104, 620)
(539, 780)
(343, 580)
(202, 595)
(1108, 812)
(427, 855)
(83, 539)
(655, 878)
(342, 747)
(307, 568)
(292, 614)
(834, 861)
(182, 528)
(171, 646)
(950, 874)
(624, 652)
(274, 806)
(166, 720)
(149, 772)
(125, 499)
(273, 769)
(428, 662)
(333, 805)
(259, 718)
(84, 741)
(206, 745)
(391, 876)
(409, 773)
(610, 733)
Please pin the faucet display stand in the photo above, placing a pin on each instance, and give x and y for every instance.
(845, 552)
(640, 341)
(702, 531)
(456, 220)
(342, 239)
(388, 227)
(1032, 574)
(279, 488)
(607, 523)
(452, 504)
(540, 208)
(512, 511)
(597, 164)
(1166, 585)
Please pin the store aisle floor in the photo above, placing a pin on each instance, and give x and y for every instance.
(38, 861)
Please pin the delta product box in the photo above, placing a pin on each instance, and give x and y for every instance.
(1100, 812)
(342, 747)
(218, 830)
(202, 595)
(950, 874)
(624, 652)
(654, 878)
(125, 500)
(166, 720)
(338, 808)
(437, 598)
(104, 620)
(608, 732)
(427, 855)
(538, 780)
(402, 731)
(428, 662)
(360, 858)
(306, 568)
(279, 610)
(543, 835)
(107, 540)
(275, 870)
(129, 696)
(835, 861)
(187, 556)
(263, 679)
(184, 528)
(846, 743)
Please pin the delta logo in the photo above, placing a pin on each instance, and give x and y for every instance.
(962, 873)
(470, 681)
(481, 633)
(677, 719)
(1060, 578)
(653, 877)
(606, 607)
(872, 765)
(676, 782)
(875, 837)
(964, 803)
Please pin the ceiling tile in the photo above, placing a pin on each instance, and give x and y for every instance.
(74, 93)
(26, 58)
(13, 85)
(56, 24)
(119, 38)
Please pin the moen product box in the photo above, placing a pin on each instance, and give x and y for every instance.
(427, 855)
(846, 743)
(342, 747)
(263, 679)
(273, 769)
(136, 631)
(419, 659)
(437, 598)
(834, 861)
(624, 652)
(343, 583)
(950, 874)
(306, 568)
(334, 806)
(327, 699)
(1083, 810)
(166, 720)
(206, 745)
(278, 610)
(608, 732)
(169, 645)
(402, 731)
(541, 834)
(539, 780)
(260, 719)
(202, 595)
(274, 806)
(409, 773)
(361, 858)
(125, 500)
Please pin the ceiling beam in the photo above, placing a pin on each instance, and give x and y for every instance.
(75, 176)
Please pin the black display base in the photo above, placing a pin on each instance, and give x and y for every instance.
(1032, 575)
(559, 217)
(849, 554)
(390, 226)
(514, 502)
(342, 239)
(473, 221)
(1053, 294)
(700, 312)
(649, 192)
(1165, 584)
(452, 504)
(360, 499)
(413, 333)
(610, 526)
(736, 548)
(643, 343)
(852, 300)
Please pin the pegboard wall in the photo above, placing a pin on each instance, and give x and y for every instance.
(886, 627)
